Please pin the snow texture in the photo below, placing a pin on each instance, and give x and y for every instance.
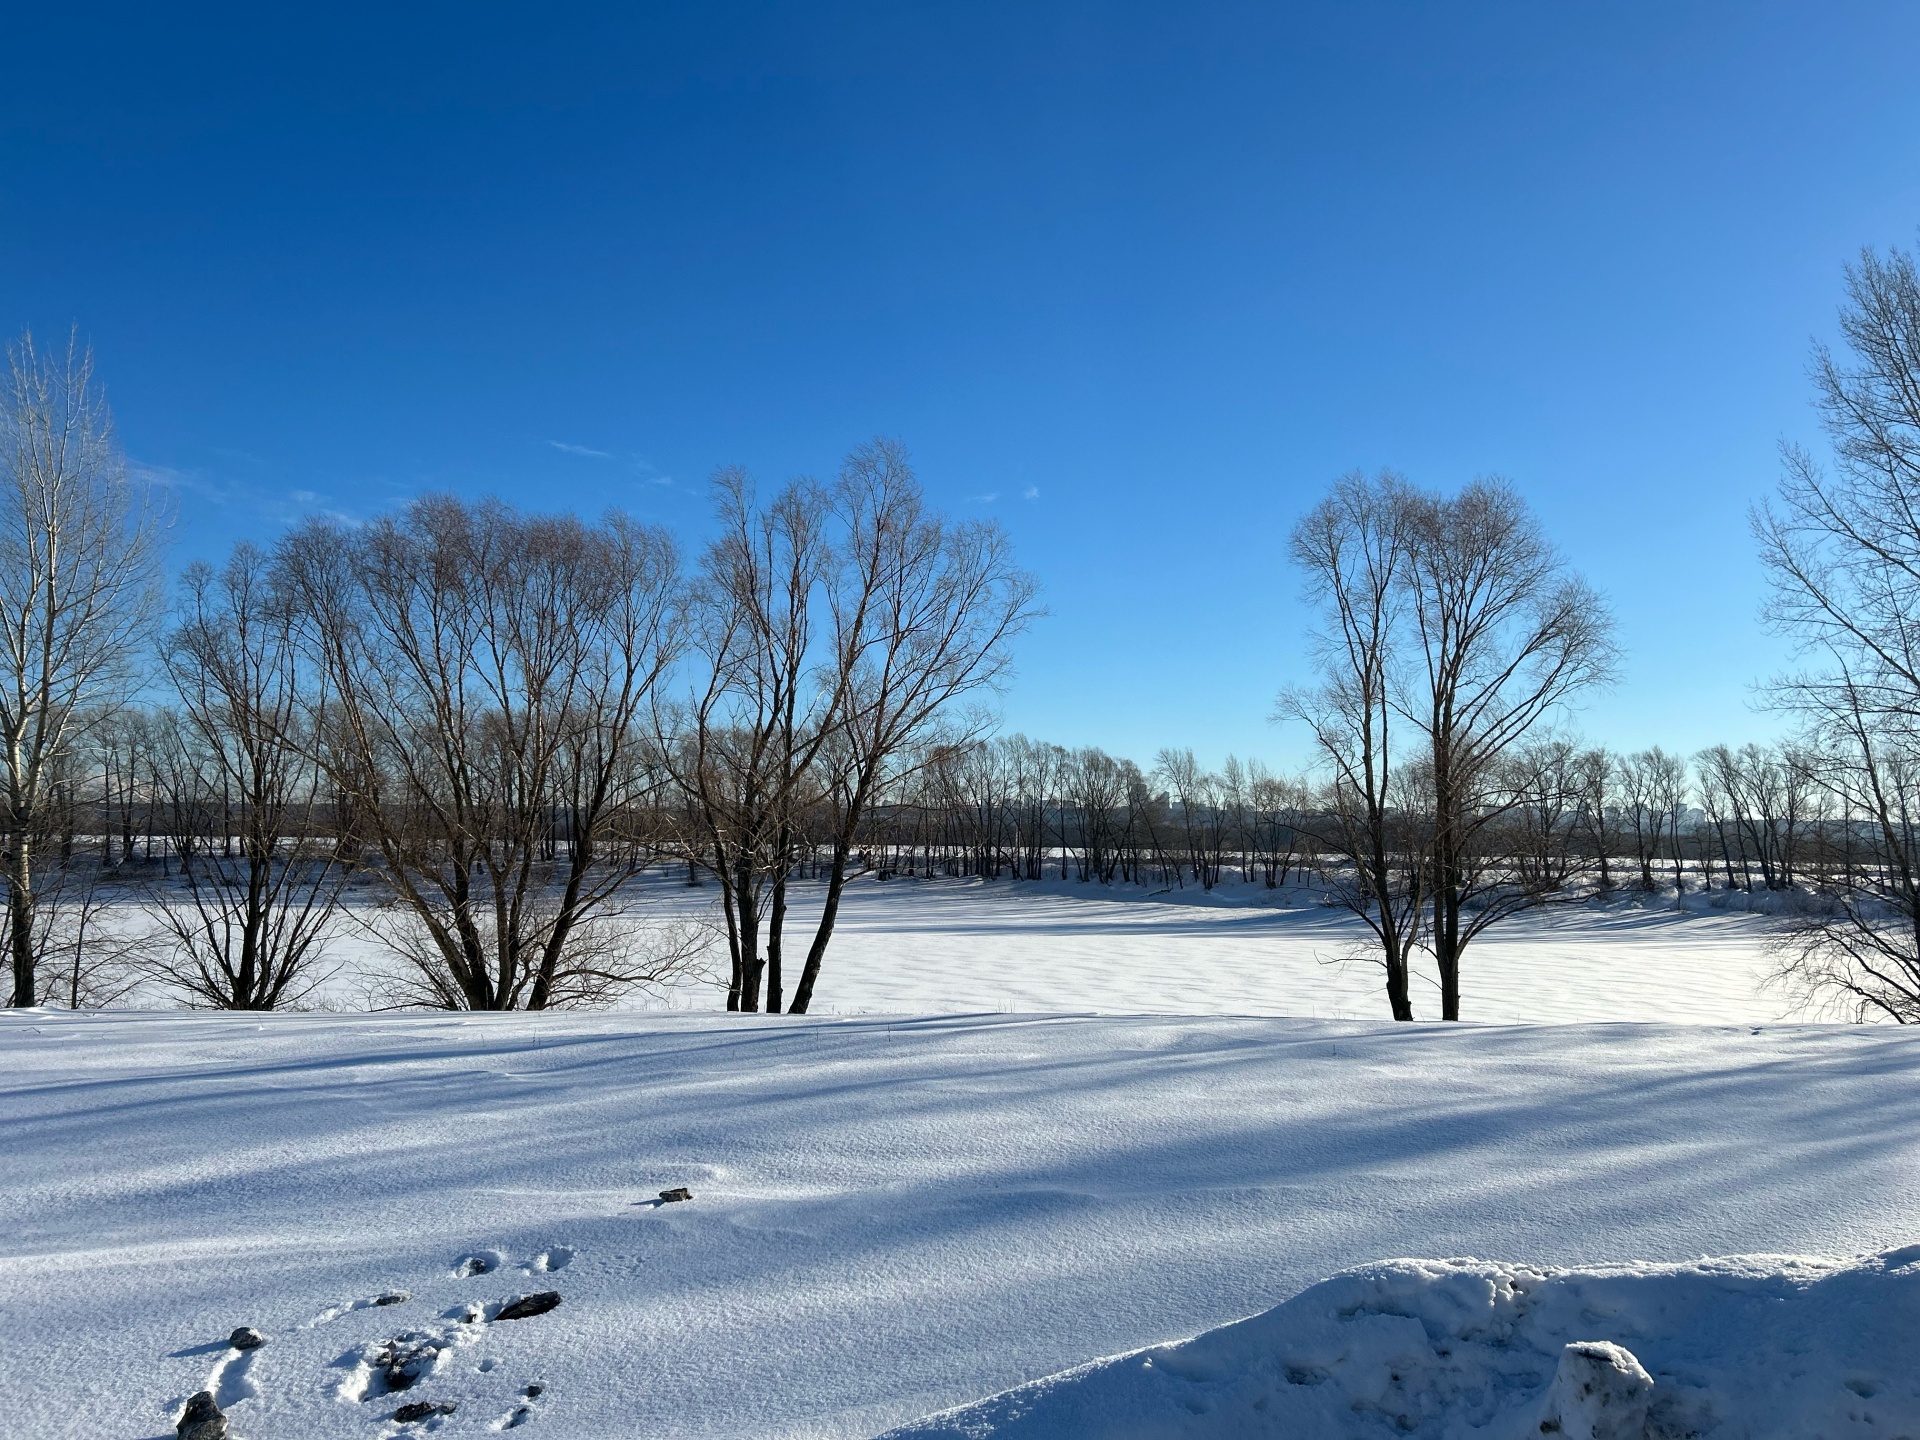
(894, 1216)
(946, 946)
(1450, 1349)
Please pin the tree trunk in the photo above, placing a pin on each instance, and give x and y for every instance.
(810, 972)
(776, 925)
(20, 919)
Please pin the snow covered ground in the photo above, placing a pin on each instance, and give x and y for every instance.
(1751, 1346)
(931, 946)
(962, 946)
(890, 1215)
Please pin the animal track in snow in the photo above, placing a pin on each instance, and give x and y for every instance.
(387, 1367)
(554, 1257)
(371, 1302)
(478, 1262)
(231, 1380)
(522, 1412)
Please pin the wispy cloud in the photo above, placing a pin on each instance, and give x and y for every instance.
(200, 489)
(588, 450)
(1032, 492)
(986, 499)
(650, 473)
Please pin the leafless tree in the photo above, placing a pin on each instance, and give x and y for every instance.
(924, 611)
(488, 673)
(1453, 618)
(259, 882)
(768, 705)
(1843, 550)
(1503, 635)
(1599, 809)
(79, 554)
(1353, 548)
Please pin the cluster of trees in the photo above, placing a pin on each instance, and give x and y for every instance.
(1581, 821)
(500, 720)
(497, 719)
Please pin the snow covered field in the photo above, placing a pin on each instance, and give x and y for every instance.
(941, 946)
(890, 1215)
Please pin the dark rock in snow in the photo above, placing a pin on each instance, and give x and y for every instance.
(201, 1420)
(407, 1359)
(534, 1391)
(423, 1410)
(527, 1306)
(679, 1192)
(392, 1297)
(246, 1338)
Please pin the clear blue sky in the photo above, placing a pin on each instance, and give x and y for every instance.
(1140, 280)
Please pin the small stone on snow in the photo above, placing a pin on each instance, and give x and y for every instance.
(423, 1410)
(527, 1306)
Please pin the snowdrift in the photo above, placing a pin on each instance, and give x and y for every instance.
(1751, 1346)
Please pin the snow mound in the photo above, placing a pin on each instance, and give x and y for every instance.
(1750, 1346)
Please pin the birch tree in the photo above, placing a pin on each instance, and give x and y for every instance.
(80, 545)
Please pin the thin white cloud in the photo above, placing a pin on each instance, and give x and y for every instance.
(986, 499)
(1032, 492)
(588, 450)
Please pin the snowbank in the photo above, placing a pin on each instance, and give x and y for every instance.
(1758, 1345)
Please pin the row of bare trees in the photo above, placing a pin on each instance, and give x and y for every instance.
(497, 720)
(1576, 820)
(500, 720)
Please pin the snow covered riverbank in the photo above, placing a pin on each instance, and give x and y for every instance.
(1750, 1346)
(890, 1215)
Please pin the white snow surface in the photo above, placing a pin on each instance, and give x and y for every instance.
(893, 1216)
(926, 946)
(1746, 1346)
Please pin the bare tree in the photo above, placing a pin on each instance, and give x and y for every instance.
(1353, 548)
(488, 674)
(1503, 634)
(1454, 617)
(1843, 549)
(924, 611)
(1599, 808)
(768, 704)
(79, 554)
(259, 881)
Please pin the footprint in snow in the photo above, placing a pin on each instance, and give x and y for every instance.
(370, 1302)
(231, 1380)
(523, 1412)
(556, 1257)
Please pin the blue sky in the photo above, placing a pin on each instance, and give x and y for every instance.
(1139, 280)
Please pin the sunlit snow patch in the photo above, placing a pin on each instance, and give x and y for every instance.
(1751, 1346)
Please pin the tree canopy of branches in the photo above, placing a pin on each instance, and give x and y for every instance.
(259, 880)
(845, 630)
(1452, 630)
(1842, 546)
(488, 675)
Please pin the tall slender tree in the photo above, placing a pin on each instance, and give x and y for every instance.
(80, 545)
